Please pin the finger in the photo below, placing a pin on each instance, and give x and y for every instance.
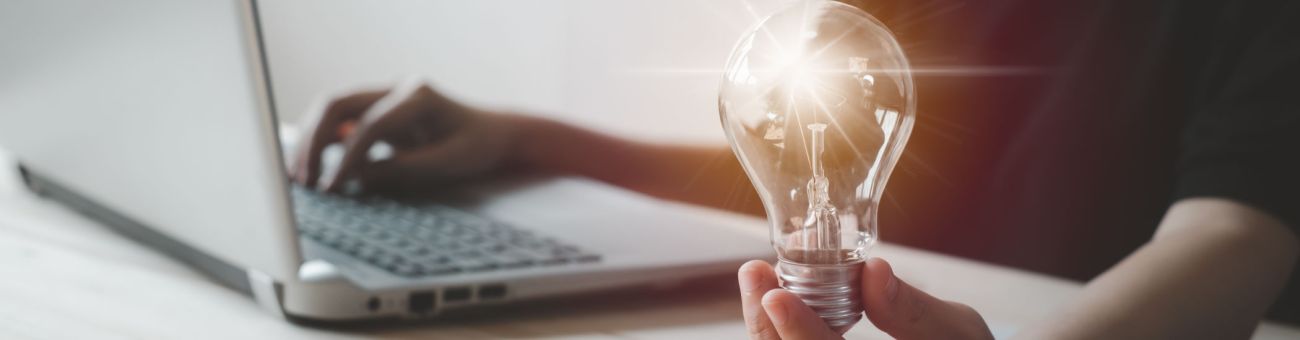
(392, 112)
(326, 128)
(905, 312)
(385, 176)
(325, 131)
(406, 169)
(756, 278)
(793, 319)
(355, 155)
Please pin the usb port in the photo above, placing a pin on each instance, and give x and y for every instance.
(421, 302)
(455, 294)
(492, 292)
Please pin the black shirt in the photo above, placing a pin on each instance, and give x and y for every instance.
(1053, 136)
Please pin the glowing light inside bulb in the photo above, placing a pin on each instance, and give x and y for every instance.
(810, 81)
(817, 103)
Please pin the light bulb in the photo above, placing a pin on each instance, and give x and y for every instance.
(817, 102)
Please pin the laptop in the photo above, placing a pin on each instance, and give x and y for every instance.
(155, 117)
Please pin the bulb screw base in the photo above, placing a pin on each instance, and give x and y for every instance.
(832, 290)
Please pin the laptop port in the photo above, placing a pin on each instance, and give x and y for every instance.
(455, 294)
(492, 292)
(29, 182)
(421, 302)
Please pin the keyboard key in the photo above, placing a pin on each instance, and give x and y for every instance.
(443, 270)
(496, 247)
(425, 240)
(409, 270)
(478, 265)
(515, 260)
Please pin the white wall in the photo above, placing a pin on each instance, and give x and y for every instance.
(597, 63)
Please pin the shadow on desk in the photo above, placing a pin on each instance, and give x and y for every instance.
(709, 300)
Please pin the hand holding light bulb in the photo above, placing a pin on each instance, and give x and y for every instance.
(893, 306)
(818, 102)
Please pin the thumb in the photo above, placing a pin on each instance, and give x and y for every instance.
(905, 312)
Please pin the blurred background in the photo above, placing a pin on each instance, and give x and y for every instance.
(645, 69)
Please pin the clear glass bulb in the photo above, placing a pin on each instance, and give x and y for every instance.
(817, 102)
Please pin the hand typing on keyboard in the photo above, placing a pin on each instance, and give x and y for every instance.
(437, 141)
(433, 138)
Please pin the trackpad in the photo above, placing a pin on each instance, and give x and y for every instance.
(624, 226)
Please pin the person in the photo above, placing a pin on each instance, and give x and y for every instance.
(1148, 147)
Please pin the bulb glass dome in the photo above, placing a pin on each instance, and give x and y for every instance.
(817, 101)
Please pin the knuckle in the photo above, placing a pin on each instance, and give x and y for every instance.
(426, 95)
(416, 87)
(423, 89)
(336, 105)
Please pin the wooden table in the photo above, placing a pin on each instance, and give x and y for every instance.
(63, 276)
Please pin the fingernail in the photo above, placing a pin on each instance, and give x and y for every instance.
(891, 288)
(775, 311)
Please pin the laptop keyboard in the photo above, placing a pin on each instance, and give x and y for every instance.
(424, 240)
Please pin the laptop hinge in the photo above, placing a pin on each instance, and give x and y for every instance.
(265, 291)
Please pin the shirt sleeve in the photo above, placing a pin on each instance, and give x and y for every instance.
(1242, 140)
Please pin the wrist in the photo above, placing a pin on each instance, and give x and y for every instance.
(552, 147)
(528, 145)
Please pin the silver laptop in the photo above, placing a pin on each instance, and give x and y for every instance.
(155, 117)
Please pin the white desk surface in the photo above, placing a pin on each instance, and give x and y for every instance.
(63, 276)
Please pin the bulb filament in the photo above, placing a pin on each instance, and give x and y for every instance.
(821, 237)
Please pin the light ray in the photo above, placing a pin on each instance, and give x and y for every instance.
(907, 218)
(834, 122)
(926, 167)
(941, 133)
(905, 21)
(833, 42)
(758, 19)
(699, 173)
(726, 12)
(852, 146)
(943, 71)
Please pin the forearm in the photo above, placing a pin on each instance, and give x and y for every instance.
(1211, 271)
(702, 175)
